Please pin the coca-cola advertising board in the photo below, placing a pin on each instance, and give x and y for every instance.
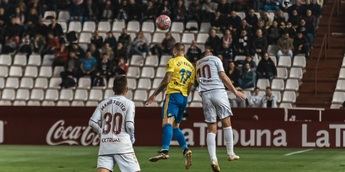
(252, 128)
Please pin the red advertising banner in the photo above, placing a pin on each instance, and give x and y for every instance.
(252, 128)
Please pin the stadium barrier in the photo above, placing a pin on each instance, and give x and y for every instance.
(252, 127)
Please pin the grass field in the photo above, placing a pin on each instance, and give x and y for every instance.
(83, 159)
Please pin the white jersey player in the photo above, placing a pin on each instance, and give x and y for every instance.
(113, 119)
(211, 78)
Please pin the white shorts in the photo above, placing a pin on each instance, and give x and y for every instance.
(215, 104)
(127, 162)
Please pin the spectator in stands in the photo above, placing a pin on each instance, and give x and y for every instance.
(61, 56)
(77, 10)
(251, 18)
(266, 68)
(255, 100)
(108, 50)
(25, 45)
(234, 20)
(92, 10)
(234, 73)
(165, 8)
(94, 51)
(227, 52)
(88, 65)
(294, 18)
(290, 29)
(110, 39)
(315, 7)
(105, 67)
(223, 7)
(125, 38)
(193, 52)
(285, 45)
(97, 40)
(237, 102)
(213, 41)
(121, 67)
(310, 23)
(120, 52)
(208, 10)
(38, 44)
(219, 21)
(139, 45)
(108, 11)
(301, 45)
(279, 16)
(270, 6)
(73, 66)
(179, 13)
(244, 26)
(249, 60)
(55, 28)
(248, 77)
(167, 44)
(53, 44)
(243, 43)
(150, 10)
(269, 100)
(260, 42)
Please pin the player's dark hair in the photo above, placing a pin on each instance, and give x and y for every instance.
(120, 84)
(268, 88)
(179, 47)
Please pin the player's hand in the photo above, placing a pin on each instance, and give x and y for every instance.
(240, 95)
(150, 100)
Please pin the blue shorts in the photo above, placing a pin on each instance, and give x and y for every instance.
(174, 106)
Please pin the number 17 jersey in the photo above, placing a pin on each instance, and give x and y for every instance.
(208, 69)
(112, 114)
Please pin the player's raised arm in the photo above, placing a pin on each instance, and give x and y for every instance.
(227, 82)
(95, 121)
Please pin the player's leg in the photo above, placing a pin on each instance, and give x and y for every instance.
(229, 139)
(127, 162)
(105, 163)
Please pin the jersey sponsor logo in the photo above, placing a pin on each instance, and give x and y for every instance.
(2, 131)
(60, 134)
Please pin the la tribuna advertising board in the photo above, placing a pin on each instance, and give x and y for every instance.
(252, 127)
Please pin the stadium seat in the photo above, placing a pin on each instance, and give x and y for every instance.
(191, 25)
(164, 60)
(5, 60)
(158, 37)
(45, 71)
(64, 16)
(27, 83)
(48, 60)
(296, 73)
(34, 60)
(176, 36)
(77, 103)
(74, 26)
(148, 72)
(8, 94)
(12, 83)
(20, 60)
(16, 71)
(156, 83)
(19, 103)
(108, 93)
(152, 60)
(33, 103)
(96, 95)
(138, 104)
(66, 94)
(85, 37)
(63, 25)
(299, 61)
(240, 58)
(284, 61)
(129, 94)
(52, 95)
(289, 97)
(48, 14)
(177, 27)
(336, 106)
(148, 36)
(133, 26)
(272, 49)
(81, 95)
(285, 105)
(23, 94)
(148, 26)
(133, 72)
(278, 95)
(282, 73)
(48, 103)
(2, 83)
(118, 25)
(84, 82)
(31, 71)
(3, 71)
(195, 104)
(205, 27)
(340, 85)
(37, 94)
(342, 73)
(278, 84)
(161, 72)
(55, 82)
(57, 71)
(201, 38)
(41, 83)
(140, 95)
(89, 26)
(263, 83)
(187, 38)
(343, 65)
(63, 103)
(292, 84)
(137, 60)
(242, 15)
(338, 97)
(91, 103)
(197, 97)
(144, 84)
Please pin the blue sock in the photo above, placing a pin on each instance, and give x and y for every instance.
(167, 136)
(180, 138)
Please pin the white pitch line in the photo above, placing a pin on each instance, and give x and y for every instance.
(298, 152)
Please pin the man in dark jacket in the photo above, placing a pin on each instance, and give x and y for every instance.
(266, 68)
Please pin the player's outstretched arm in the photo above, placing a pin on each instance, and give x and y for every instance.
(161, 87)
(227, 82)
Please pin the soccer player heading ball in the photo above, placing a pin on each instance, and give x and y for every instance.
(212, 78)
(178, 80)
(113, 119)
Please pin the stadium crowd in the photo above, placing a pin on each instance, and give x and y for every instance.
(23, 30)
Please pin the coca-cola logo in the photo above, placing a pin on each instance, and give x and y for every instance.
(2, 131)
(59, 134)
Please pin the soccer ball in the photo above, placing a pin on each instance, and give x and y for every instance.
(163, 22)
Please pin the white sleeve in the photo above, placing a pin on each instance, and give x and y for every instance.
(130, 121)
(95, 121)
(219, 65)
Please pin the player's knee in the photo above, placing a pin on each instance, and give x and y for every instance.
(212, 128)
(226, 122)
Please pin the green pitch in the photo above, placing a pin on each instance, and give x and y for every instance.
(83, 159)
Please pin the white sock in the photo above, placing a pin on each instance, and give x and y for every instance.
(211, 146)
(229, 140)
